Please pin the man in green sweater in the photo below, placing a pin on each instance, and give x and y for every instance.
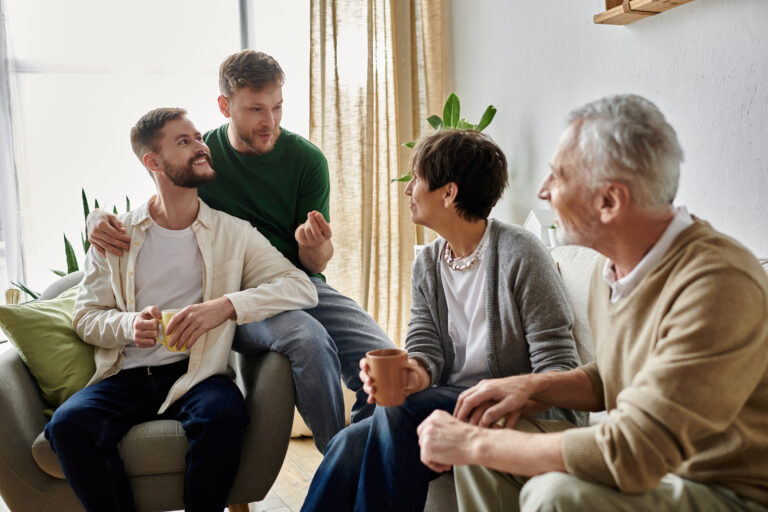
(278, 181)
(679, 316)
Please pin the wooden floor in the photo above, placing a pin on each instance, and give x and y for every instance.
(291, 486)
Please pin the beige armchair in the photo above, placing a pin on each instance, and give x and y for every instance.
(154, 452)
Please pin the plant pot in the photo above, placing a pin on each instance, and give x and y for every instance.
(553, 241)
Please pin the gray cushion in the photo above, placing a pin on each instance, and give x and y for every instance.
(575, 265)
(151, 448)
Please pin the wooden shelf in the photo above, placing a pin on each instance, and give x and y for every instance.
(624, 12)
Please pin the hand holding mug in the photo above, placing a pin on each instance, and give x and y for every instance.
(389, 376)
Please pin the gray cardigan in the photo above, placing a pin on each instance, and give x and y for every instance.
(529, 320)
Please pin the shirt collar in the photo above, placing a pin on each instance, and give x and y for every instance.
(621, 288)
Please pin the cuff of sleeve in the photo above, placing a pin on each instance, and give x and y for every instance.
(128, 327)
(597, 383)
(431, 368)
(583, 457)
(243, 315)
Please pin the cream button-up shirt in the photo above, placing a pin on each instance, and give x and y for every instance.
(238, 263)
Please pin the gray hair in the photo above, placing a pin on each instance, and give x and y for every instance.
(626, 138)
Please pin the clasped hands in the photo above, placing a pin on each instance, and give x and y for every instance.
(448, 440)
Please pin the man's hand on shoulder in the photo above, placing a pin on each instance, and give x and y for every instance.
(107, 233)
(314, 239)
(193, 321)
(145, 326)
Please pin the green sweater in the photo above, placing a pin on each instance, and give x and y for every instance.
(274, 191)
(682, 367)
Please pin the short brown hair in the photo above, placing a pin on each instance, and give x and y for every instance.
(249, 68)
(468, 158)
(147, 130)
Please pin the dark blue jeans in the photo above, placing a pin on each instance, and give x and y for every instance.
(374, 464)
(85, 430)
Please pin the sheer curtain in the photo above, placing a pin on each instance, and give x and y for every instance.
(377, 70)
(11, 262)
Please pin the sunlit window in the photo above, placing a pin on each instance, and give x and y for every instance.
(83, 72)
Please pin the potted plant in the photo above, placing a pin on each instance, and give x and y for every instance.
(552, 232)
(452, 120)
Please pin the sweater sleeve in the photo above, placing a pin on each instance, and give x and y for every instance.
(711, 339)
(423, 338)
(544, 309)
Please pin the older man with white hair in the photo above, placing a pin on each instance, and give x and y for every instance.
(678, 313)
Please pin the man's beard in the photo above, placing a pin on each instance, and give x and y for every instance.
(255, 144)
(185, 176)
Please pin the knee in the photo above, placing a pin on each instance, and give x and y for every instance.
(226, 411)
(551, 492)
(348, 443)
(67, 424)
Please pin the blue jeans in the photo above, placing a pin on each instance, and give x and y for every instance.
(325, 345)
(375, 464)
(85, 430)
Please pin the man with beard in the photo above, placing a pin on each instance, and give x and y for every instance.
(278, 181)
(184, 255)
(678, 318)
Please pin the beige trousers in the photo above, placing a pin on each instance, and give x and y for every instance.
(483, 489)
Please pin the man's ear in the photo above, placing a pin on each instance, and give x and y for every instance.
(224, 106)
(450, 190)
(613, 199)
(150, 162)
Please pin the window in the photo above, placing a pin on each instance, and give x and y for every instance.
(83, 71)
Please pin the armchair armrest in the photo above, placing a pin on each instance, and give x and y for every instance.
(22, 483)
(266, 381)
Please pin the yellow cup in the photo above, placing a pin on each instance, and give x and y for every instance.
(162, 330)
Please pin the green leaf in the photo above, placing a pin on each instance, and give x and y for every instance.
(95, 203)
(86, 210)
(85, 242)
(487, 118)
(409, 144)
(114, 210)
(463, 124)
(71, 258)
(404, 178)
(451, 111)
(26, 290)
(127, 204)
(435, 122)
(59, 273)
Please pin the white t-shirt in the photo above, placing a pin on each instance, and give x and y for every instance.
(467, 319)
(169, 275)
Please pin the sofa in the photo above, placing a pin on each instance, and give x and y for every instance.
(575, 265)
(153, 452)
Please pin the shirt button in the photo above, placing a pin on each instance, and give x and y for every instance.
(137, 243)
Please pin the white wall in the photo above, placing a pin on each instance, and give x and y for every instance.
(705, 64)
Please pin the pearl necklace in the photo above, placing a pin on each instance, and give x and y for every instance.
(451, 261)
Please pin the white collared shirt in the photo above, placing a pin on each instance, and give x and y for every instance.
(621, 288)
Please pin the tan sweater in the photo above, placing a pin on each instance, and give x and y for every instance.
(682, 367)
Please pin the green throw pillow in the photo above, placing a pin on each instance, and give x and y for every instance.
(42, 332)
